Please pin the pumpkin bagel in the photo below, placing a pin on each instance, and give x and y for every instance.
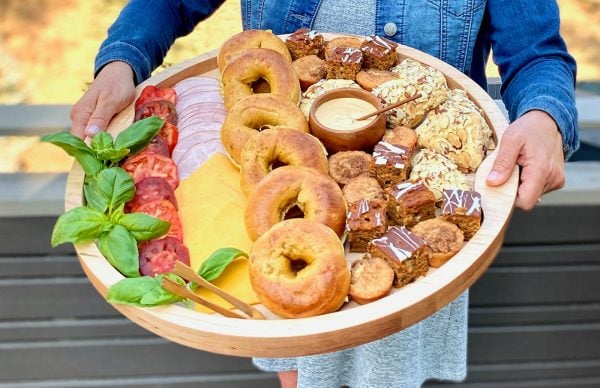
(255, 112)
(298, 269)
(244, 40)
(279, 146)
(317, 196)
(257, 64)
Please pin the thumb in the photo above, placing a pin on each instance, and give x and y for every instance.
(103, 112)
(510, 148)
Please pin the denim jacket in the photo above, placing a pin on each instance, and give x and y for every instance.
(536, 70)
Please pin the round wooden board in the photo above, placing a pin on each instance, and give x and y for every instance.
(352, 326)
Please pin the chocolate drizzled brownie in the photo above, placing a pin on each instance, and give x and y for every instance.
(379, 53)
(392, 163)
(305, 42)
(365, 220)
(409, 203)
(462, 208)
(344, 63)
(407, 254)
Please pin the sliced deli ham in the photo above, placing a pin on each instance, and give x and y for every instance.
(201, 114)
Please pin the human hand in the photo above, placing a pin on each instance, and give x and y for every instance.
(111, 92)
(534, 143)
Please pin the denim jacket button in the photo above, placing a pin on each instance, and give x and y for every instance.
(390, 29)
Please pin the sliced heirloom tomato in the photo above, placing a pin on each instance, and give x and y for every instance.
(152, 93)
(150, 189)
(164, 210)
(147, 164)
(170, 134)
(159, 256)
(161, 108)
(157, 145)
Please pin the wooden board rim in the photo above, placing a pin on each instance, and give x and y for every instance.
(330, 332)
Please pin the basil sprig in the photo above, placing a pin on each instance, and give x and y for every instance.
(106, 189)
(147, 291)
(103, 152)
(143, 291)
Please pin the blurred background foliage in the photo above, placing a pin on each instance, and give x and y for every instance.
(47, 47)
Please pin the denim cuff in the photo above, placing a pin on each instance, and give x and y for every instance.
(567, 125)
(124, 52)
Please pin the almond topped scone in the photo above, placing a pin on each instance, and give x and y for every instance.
(414, 78)
(458, 130)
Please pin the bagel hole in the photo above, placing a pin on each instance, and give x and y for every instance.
(297, 265)
(293, 212)
(261, 85)
(276, 164)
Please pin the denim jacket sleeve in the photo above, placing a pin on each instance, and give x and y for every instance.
(146, 29)
(537, 72)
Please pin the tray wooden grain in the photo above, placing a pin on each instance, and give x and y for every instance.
(352, 326)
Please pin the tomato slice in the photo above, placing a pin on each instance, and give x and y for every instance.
(160, 108)
(147, 164)
(150, 189)
(153, 93)
(159, 256)
(170, 134)
(157, 145)
(164, 210)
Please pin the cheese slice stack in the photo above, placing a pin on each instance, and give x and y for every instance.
(211, 209)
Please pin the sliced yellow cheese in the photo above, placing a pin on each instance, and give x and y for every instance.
(211, 209)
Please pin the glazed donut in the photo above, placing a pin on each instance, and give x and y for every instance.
(316, 195)
(250, 39)
(255, 112)
(279, 146)
(298, 269)
(253, 65)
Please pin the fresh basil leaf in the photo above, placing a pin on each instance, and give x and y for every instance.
(214, 266)
(143, 226)
(143, 291)
(120, 249)
(78, 225)
(75, 147)
(115, 186)
(159, 296)
(139, 134)
(113, 155)
(93, 199)
(130, 290)
(101, 142)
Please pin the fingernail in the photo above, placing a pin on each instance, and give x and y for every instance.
(92, 130)
(493, 176)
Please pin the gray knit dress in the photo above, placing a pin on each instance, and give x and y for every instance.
(435, 348)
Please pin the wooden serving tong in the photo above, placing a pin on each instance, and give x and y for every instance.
(189, 274)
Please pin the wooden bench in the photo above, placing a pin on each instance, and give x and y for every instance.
(534, 317)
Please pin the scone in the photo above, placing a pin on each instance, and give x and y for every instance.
(458, 130)
(371, 279)
(414, 78)
(444, 238)
(437, 172)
